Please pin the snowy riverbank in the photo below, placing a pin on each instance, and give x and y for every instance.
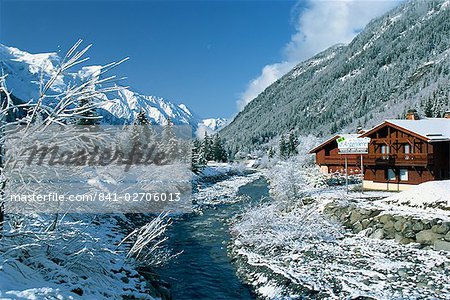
(81, 258)
(289, 248)
(78, 259)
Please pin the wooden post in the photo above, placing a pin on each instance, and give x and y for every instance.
(346, 174)
(362, 175)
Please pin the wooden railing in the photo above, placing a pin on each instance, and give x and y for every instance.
(340, 160)
(401, 159)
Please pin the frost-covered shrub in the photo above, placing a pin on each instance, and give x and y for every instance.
(79, 256)
(277, 228)
(293, 178)
(146, 243)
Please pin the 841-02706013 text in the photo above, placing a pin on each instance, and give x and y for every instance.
(101, 196)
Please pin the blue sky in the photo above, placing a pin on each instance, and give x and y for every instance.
(201, 53)
(214, 56)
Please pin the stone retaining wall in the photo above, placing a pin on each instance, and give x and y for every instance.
(383, 225)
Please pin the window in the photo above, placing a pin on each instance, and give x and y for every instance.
(403, 175)
(385, 150)
(327, 152)
(391, 175)
(407, 148)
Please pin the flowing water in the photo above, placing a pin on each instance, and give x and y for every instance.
(204, 270)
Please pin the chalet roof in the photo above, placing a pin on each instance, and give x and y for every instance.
(430, 129)
(346, 135)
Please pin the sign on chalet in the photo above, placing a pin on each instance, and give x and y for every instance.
(329, 159)
(401, 153)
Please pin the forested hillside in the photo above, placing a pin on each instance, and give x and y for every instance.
(399, 61)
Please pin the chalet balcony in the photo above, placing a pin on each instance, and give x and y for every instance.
(413, 159)
(340, 160)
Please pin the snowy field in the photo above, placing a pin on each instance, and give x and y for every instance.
(288, 248)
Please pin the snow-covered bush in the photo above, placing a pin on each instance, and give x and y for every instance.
(291, 179)
(276, 228)
(147, 242)
(62, 255)
(80, 257)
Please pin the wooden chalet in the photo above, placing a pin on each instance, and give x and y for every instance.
(401, 153)
(331, 162)
(407, 152)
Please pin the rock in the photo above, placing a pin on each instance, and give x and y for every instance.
(357, 227)
(402, 240)
(388, 226)
(441, 245)
(400, 218)
(375, 213)
(355, 217)
(434, 228)
(409, 234)
(407, 226)
(399, 225)
(385, 218)
(442, 229)
(368, 232)
(447, 237)
(402, 272)
(365, 212)
(418, 226)
(427, 224)
(406, 240)
(238, 243)
(427, 237)
(365, 223)
(378, 234)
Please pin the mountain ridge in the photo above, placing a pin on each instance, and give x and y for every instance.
(398, 61)
(24, 72)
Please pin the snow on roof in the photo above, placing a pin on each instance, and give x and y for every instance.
(434, 129)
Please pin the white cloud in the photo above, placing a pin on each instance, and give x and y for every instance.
(318, 26)
(269, 74)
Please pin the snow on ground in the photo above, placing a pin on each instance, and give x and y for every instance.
(79, 259)
(288, 248)
(428, 195)
(428, 201)
(209, 192)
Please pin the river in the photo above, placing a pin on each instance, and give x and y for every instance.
(204, 270)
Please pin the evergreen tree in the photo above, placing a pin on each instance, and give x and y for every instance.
(89, 115)
(271, 153)
(428, 109)
(292, 145)
(198, 156)
(218, 152)
(206, 147)
(169, 142)
(141, 119)
(283, 147)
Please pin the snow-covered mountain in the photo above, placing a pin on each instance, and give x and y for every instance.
(25, 71)
(210, 126)
(399, 61)
(213, 123)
